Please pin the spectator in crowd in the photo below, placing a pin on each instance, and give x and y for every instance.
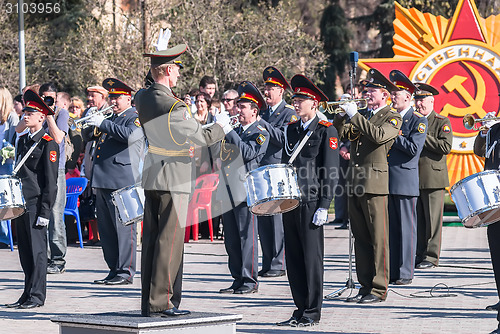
(8, 122)
(63, 100)
(57, 127)
(76, 107)
(18, 105)
(208, 85)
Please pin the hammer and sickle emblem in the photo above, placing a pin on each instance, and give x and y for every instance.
(475, 104)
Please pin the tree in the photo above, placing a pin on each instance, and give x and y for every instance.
(336, 37)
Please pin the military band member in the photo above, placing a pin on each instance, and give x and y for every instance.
(115, 165)
(317, 172)
(38, 175)
(433, 178)
(368, 185)
(486, 145)
(249, 141)
(278, 114)
(167, 180)
(403, 181)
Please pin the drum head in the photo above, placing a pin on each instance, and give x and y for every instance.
(275, 206)
(11, 213)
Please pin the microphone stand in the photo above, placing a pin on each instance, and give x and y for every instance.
(349, 284)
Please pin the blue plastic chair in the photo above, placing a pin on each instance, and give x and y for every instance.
(74, 187)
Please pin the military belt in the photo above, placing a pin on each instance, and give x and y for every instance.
(169, 153)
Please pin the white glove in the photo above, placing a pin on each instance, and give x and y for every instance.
(320, 217)
(163, 38)
(42, 222)
(224, 121)
(345, 97)
(96, 120)
(350, 108)
(489, 124)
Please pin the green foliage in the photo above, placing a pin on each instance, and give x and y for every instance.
(336, 37)
(231, 40)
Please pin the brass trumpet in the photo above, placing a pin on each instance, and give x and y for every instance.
(470, 122)
(82, 122)
(334, 107)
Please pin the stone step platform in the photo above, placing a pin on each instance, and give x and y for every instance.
(133, 322)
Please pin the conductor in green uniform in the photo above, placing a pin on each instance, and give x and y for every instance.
(167, 179)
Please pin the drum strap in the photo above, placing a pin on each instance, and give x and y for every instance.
(299, 148)
(488, 147)
(23, 160)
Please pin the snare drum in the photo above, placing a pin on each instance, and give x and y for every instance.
(477, 198)
(272, 189)
(129, 202)
(12, 203)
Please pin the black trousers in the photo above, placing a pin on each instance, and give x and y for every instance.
(240, 239)
(272, 242)
(493, 237)
(32, 246)
(304, 247)
(119, 242)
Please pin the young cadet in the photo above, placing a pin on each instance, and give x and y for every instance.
(38, 175)
(317, 174)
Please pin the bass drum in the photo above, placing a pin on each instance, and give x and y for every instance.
(272, 189)
(477, 198)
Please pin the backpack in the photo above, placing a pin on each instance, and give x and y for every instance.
(68, 145)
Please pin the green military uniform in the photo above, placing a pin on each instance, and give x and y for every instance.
(167, 180)
(433, 176)
(368, 188)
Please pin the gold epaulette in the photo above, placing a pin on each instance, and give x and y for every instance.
(47, 137)
(416, 113)
(289, 106)
(325, 123)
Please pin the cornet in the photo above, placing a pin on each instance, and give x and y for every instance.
(82, 122)
(334, 107)
(470, 122)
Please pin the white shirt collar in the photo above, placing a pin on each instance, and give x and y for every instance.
(374, 111)
(245, 127)
(403, 113)
(306, 124)
(273, 108)
(31, 135)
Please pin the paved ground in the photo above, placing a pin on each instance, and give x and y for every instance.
(465, 276)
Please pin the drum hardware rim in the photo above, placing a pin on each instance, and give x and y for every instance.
(477, 212)
(277, 198)
(470, 177)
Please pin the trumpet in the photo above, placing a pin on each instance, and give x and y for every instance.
(470, 122)
(334, 107)
(82, 122)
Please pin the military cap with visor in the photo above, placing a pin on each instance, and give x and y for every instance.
(248, 92)
(375, 79)
(424, 90)
(168, 56)
(272, 76)
(303, 87)
(33, 102)
(116, 87)
(402, 82)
